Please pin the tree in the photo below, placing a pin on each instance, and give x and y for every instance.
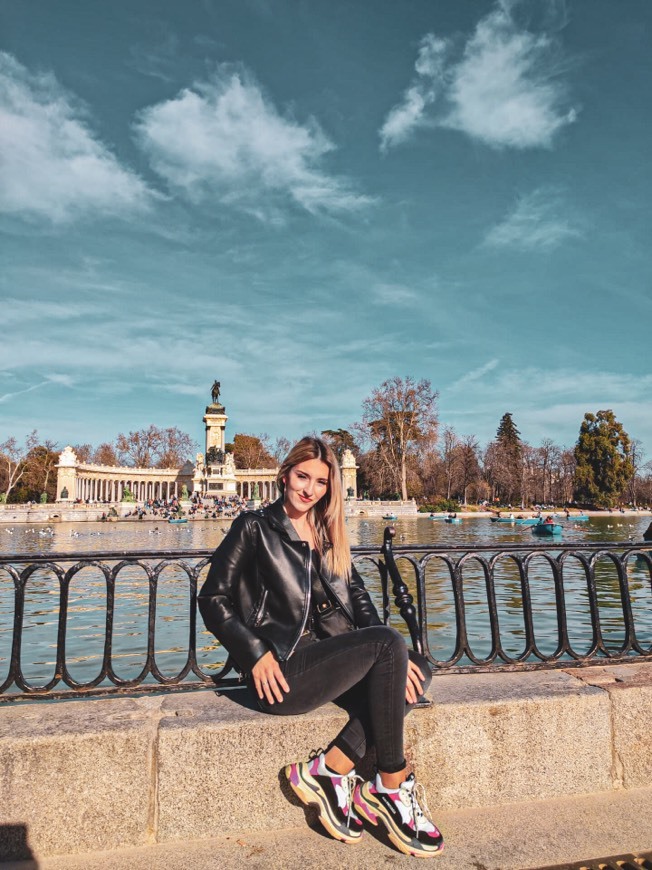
(39, 478)
(12, 461)
(505, 455)
(175, 448)
(83, 452)
(280, 449)
(339, 440)
(397, 418)
(139, 448)
(105, 455)
(154, 448)
(469, 467)
(252, 451)
(637, 456)
(450, 457)
(604, 465)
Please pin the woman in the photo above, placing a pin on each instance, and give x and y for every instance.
(284, 599)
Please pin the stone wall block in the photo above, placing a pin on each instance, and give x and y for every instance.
(220, 765)
(76, 776)
(494, 739)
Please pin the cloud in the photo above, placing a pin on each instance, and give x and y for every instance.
(474, 375)
(51, 164)
(536, 222)
(223, 137)
(502, 88)
(394, 294)
(410, 113)
(62, 380)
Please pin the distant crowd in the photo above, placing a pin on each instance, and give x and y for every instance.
(200, 509)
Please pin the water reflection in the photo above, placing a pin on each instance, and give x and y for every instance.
(85, 622)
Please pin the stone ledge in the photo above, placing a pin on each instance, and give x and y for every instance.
(103, 774)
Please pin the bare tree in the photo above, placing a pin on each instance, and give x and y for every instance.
(397, 417)
(450, 457)
(280, 449)
(39, 475)
(154, 447)
(83, 452)
(469, 466)
(105, 454)
(12, 460)
(175, 448)
(252, 451)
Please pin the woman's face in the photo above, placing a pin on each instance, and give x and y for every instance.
(305, 484)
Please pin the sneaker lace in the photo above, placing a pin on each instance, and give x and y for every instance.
(348, 784)
(419, 806)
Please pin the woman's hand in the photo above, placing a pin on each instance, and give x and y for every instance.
(414, 686)
(269, 679)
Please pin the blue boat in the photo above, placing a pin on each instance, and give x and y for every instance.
(452, 519)
(579, 518)
(434, 517)
(547, 530)
(390, 517)
(177, 522)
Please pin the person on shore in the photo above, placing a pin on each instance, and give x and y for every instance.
(284, 599)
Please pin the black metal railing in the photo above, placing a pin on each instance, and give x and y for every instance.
(425, 572)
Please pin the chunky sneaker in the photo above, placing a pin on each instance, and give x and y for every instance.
(404, 813)
(315, 784)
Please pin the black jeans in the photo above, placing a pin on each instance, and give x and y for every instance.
(363, 671)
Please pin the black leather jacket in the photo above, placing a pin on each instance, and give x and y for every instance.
(256, 596)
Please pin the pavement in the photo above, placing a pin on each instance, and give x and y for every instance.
(525, 836)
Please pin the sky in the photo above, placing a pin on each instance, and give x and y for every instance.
(304, 198)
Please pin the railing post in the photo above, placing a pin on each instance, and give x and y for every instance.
(404, 601)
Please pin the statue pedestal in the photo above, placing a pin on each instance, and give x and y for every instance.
(253, 504)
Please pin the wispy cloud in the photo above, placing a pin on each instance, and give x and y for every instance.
(474, 375)
(61, 380)
(393, 294)
(238, 147)
(428, 84)
(538, 221)
(503, 88)
(52, 165)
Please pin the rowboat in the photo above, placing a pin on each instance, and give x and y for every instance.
(578, 518)
(390, 517)
(452, 519)
(434, 517)
(547, 529)
(177, 522)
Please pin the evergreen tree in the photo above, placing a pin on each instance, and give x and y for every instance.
(506, 454)
(508, 436)
(604, 464)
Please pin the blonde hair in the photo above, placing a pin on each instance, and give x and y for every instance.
(327, 516)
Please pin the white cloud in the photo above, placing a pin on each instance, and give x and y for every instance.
(410, 113)
(474, 375)
(394, 294)
(224, 138)
(537, 222)
(52, 165)
(503, 89)
(61, 380)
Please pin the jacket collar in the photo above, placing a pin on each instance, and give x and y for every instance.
(279, 520)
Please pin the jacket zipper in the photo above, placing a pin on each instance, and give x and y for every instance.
(261, 610)
(306, 606)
